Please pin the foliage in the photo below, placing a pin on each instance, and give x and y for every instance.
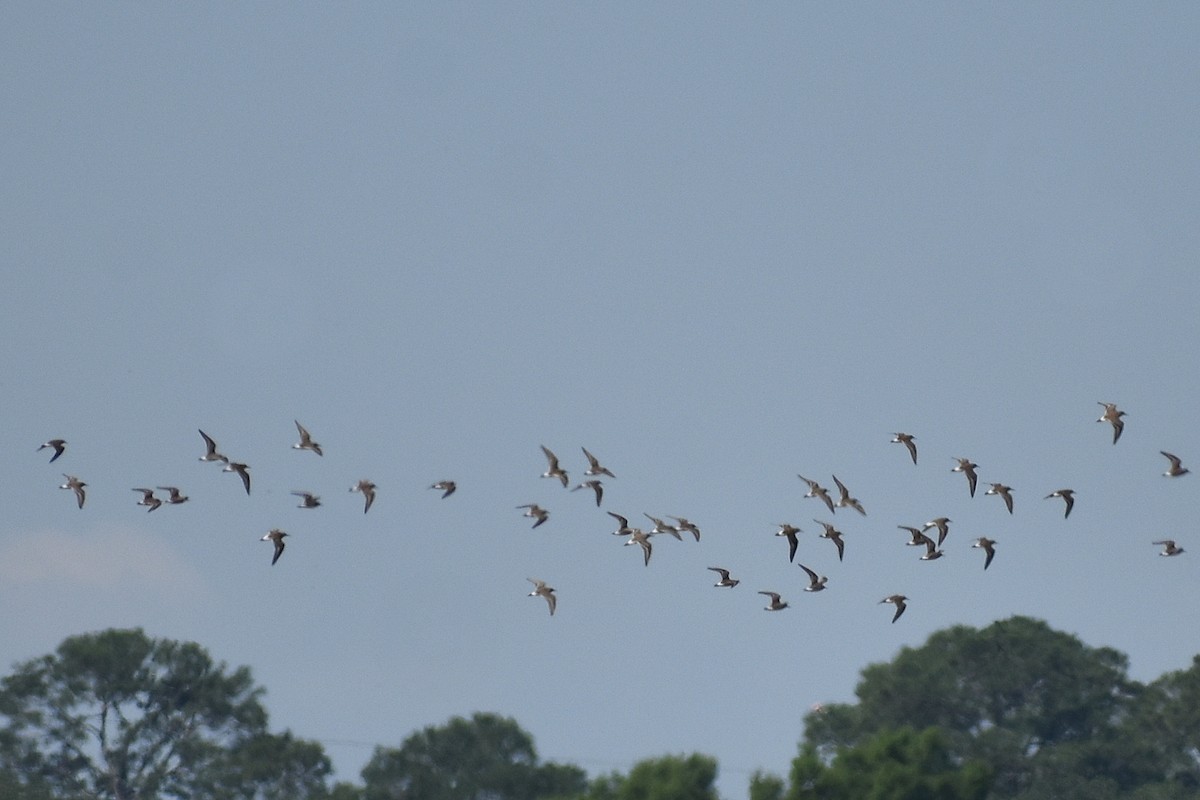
(117, 715)
(666, 778)
(486, 756)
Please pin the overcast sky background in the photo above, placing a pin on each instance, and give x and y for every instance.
(716, 245)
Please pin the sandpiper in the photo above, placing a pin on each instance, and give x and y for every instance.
(662, 527)
(790, 532)
(1113, 415)
(638, 537)
(242, 470)
(59, 446)
(211, 453)
(596, 486)
(725, 580)
(555, 471)
(175, 497)
(148, 499)
(815, 583)
(943, 527)
(624, 529)
(540, 589)
(1169, 548)
(368, 492)
(816, 490)
(75, 485)
(306, 442)
(776, 603)
(594, 467)
(898, 600)
(307, 500)
(846, 500)
(906, 439)
(1176, 468)
(1003, 491)
(834, 535)
(932, 552)
(1068, 496)
(684, 524)
(276, 536)
(534, 511)
(447, 488)
(989, 547)
(966, 466)
(916, 537)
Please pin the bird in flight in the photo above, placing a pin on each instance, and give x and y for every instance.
(276, 536)
(1113, 416)
(1176, 467)
(1068, 496)
(906, 439)
(59, 446)
(594, 467)
(1169, 548)
(816, 582)
(555, 471)
(899, 601)
(776, 603)
(943, 527)
(307, 500)
(242, 470)
(790, 532)
(534, 511)
(834, 535)
(966, 466)
(596, 486)
(1003, 491)
(846, 500)
(210, 453)
(447, 488)
(148, 499)
(540, 589)
(75, 485)
(175, 497)
(725, 580)
(818, 491)
(989, 547)
(684, 524)
(638, 537)
(368, 492)
(306, 442)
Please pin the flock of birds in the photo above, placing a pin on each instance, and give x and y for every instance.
(930, 536)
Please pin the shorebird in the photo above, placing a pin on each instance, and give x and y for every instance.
(276, 536)
(916, 537)
(640, 538)
(175, 497)
(1113, 415)
(59, 446)
(898, 600)
(816, 490)
(790, 532)
(1169, 548)
(966, 466)
(594, 467)
(1176, 469)
(906, 439)
(662, 527)
(534, 511)
(75, 485)
(989, 547)
(596, 486)
(447, 488)
(834, 535)
(624, 529)
(943, 527)
(148, 499)
(776, 603)
(540, 589)
(1068, 496)
(211, 453)
(306, 442)
(725, 580)
(368, 492)
(846, 500)
(815, 583)
(242, 470)
(932, 552)
(307, 500)
(683, 524)
(555, 471)
(1003, 491)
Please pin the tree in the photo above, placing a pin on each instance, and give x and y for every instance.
(666, 778)
(117, 715)
(486, 757)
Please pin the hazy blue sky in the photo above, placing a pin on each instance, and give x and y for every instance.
(717, 245)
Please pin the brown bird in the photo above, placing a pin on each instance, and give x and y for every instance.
(555, 471)
(683, 524)
(1003, 491)
(624, 529)
(1176, 468)
(368, 492)
(834, 535)
(790, 532)
(595, 486)
(725, 580)
(638, 537)
(59, 446)
(306, 442)
(1068, 496)
(75, 485)
(307, 500)
(175, 497)
(776, 604)
(275, 535)
(965, 466)
(242, 470)
(989, 547)
(816, 582)
(447, 488)
(932, 553)
(943, 527)
(594, 467)
(907, 440)
(1113, 415)
(210, 453)
(540, 589)
(1169, 548)
(898, 600)
(662, 527)
(818, 491)
(148, 499)
(916, 537)
(534, 511)
(846, 500)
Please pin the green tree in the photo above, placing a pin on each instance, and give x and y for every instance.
(486, 757)
(666, 778)
(117, 715)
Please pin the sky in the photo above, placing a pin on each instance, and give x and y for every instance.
(718, 245)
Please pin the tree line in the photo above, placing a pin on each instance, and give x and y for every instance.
(1014, 710)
